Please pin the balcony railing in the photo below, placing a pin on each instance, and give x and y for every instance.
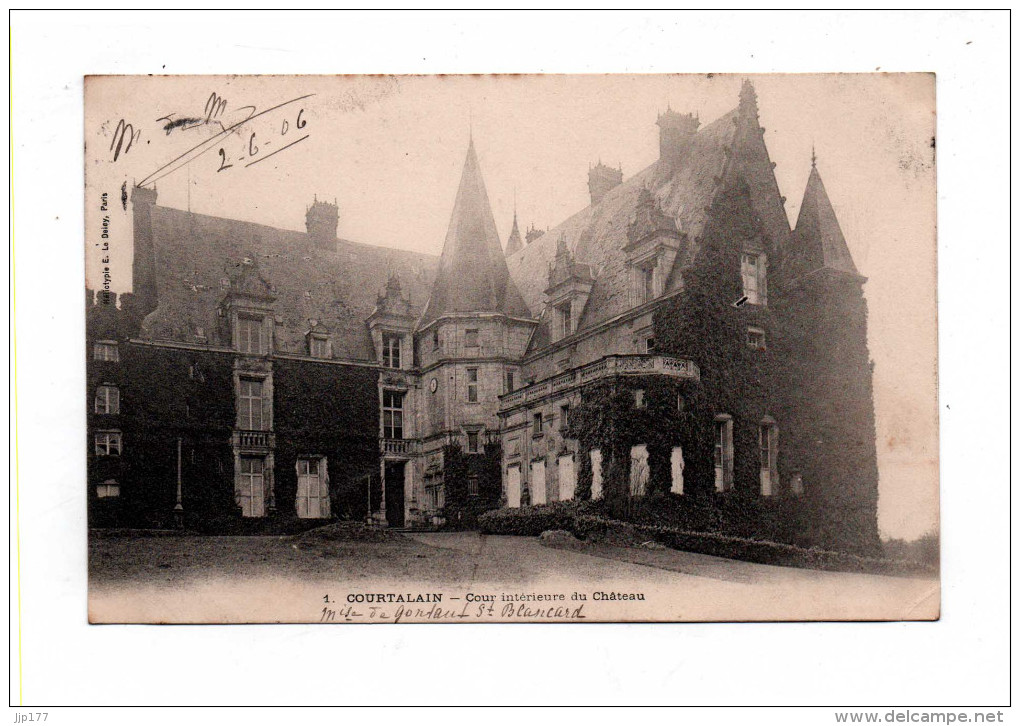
(400, 447)
(611, 365)
(254, 439)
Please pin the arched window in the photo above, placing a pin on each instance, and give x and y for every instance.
(768, 447)
(723, 452)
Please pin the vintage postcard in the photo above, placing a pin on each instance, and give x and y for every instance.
(599, 348)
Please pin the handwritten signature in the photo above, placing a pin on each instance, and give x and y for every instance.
(217, 113)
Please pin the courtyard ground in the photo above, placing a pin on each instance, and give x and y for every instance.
(305, 578)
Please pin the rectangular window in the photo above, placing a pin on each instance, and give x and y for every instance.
(251, 487)
(391, 350)
(509, 381)
(472, 385)
(105, 351)
(649, 345)
(393, 415)
(639, 398)
(723, 454)
(473, 485)
(249, 335)
(767, 444)
(536, 424)
(108, 443)
(310, 490)
(435, 339)
(249, 405)
(756, 338)
(564, 320)
(471, 338)
(107, 399)
(318, 347)
(564, 416)
(472, 438)
(752, 273)
(108, 488)
(647, 283)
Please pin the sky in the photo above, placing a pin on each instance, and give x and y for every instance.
(390, 149)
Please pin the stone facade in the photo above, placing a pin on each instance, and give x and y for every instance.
(418, 392)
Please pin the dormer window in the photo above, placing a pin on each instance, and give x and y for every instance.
(752, 274)
(391, 350)
(318, 346)
(647, 279)
(564, 320)
(249, 335)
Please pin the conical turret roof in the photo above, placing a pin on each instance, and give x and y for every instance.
(472, 276)
(514, 242)
(818, 239)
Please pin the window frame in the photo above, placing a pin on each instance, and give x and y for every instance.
(565, 319)
(104, 489)
(391, 349)
(107, 446)
(471, 338)
(768, 455)
(247, 399)
(753, 266)
(723, 457)
(536, 423)
(110, 406)
(393, 413)
(754, 331)
(250, 477)
(108, 347)
(315, 342)
(472, 385)
(473, 442)
(245, 325)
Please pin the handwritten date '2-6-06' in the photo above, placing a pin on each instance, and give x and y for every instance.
(254, 149)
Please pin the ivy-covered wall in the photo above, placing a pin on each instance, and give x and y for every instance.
(326, 410)
(168, 394)
(813, 379)
(165, 394)
(462, 505)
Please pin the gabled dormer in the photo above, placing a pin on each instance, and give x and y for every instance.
(248, 308)
(652, 246)
(570, 285)
(390, 324)
(317, 342)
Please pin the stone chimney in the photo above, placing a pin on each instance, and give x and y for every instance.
(601, 179)
(675, 133)
(321, 221)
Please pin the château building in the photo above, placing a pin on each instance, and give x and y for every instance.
(673, 338)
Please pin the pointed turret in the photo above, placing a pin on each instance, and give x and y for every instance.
(818, 241)
(472, 276)
(514, 242)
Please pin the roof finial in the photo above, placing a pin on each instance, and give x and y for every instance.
(814, 158)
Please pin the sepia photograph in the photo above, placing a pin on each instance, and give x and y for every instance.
(654, 360)
(539, 348)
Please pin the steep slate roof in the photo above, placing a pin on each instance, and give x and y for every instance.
(818, 239)
(597, 234)
(472, 275)
(196, 255)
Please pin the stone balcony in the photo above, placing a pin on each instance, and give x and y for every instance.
(259, 440)
(399, 447)
(610, 365)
